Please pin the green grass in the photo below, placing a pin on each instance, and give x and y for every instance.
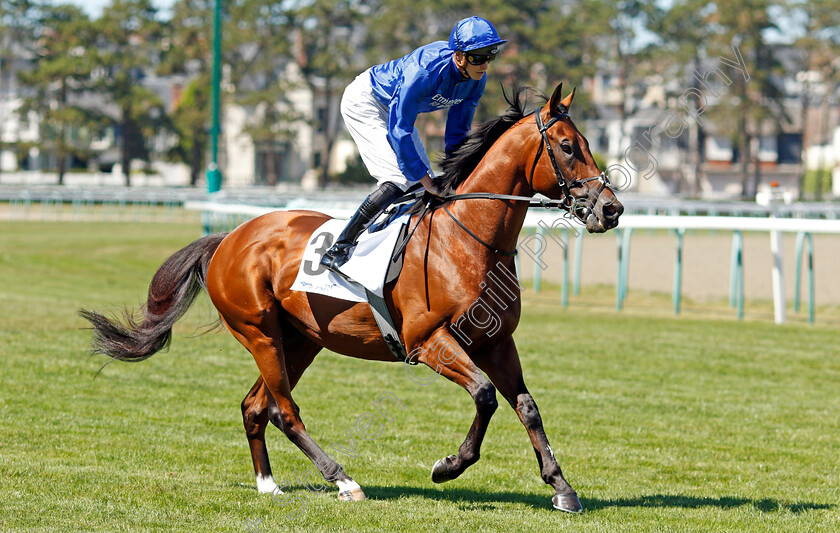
(661, 424)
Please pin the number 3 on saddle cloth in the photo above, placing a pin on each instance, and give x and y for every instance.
(372, 265)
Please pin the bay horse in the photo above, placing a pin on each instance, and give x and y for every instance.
(448, 264)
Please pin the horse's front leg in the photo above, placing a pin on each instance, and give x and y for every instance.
(504, 370)
(446, 357)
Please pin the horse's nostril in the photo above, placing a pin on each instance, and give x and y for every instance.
(612, 211)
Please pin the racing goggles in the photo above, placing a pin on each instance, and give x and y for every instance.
(479, 57)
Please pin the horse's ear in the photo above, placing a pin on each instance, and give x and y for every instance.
(567, 102)
(556, 98)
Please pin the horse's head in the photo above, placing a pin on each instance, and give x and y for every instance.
(567, 170)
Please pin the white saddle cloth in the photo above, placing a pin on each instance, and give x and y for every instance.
(368, 263)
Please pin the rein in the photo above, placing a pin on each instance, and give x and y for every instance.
(476, 237)
(546, 203)
(567, 201)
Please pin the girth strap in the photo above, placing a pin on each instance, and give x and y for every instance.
(387, 327)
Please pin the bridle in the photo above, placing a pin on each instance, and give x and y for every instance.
(565, 184)
(580, 210)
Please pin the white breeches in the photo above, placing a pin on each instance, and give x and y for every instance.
(367, 121)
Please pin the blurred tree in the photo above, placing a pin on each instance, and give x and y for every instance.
(187, 38)
(819, 41)
(619, 27)
(190, 123)
(756, 99)
(354, 173)
(326, 37)
(547, 44)
(684, 30)
(18, 24)
(63, 69)
(127, 41)
(396, 27)
(186, 49)
(259, 47)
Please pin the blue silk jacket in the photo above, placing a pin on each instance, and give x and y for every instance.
(425, 80)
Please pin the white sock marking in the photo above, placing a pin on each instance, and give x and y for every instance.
(265, 484)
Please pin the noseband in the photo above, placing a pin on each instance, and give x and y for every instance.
(565, 184)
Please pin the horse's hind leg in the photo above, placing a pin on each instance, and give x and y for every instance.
(443, 354)
(255, 419)
(262, 335)
(503, 368)
(259, 406)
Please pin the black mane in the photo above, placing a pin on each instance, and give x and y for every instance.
(458, 165)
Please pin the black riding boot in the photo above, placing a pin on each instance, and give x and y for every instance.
(371, 208)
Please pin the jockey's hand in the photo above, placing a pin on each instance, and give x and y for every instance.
(430, 185)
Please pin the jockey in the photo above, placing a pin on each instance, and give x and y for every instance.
(381, 105)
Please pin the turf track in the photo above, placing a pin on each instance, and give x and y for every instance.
(662, 424)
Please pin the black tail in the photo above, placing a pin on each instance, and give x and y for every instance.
(171, 292)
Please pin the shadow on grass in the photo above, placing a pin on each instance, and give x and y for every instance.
(476, 499)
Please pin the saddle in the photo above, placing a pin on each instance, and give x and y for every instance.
(403, 206)
(375, 262)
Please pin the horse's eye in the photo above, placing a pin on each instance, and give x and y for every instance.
(566, 147)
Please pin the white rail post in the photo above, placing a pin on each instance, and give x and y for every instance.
(779, 303)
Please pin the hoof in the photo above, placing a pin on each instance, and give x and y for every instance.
(443, 470)
(350, 491)
(355, 495)
(568, 503)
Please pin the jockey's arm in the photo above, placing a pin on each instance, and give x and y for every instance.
(460, 117)
(402, 113)
(430, 185)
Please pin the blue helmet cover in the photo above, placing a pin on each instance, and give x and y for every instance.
(473, 33)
